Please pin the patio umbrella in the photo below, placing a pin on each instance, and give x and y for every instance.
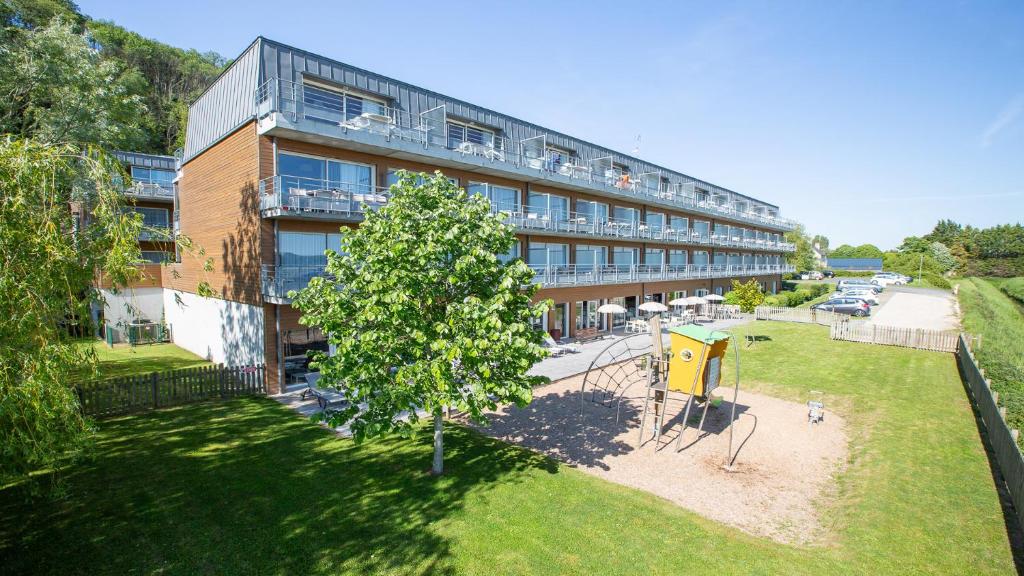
(611, 309)
(678, 302)
(714, 298)
(695, 301)
(653, 307)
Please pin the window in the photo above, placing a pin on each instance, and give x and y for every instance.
(511, 255)
(312, 173)
(702, 228)
(502, 198)
(459, 133)
(622, 256)
(392, 178)
(591, 256)
(678, 294)
(720, 258)
(305, 248)
(678, 223)
(654, 257)
(631, 215)
(677, 257)
(594, 212)
(719, 290)
(700, 258)
(734, 259)
(155, 256)
(333, 106)
(555, 206)
(544, 254)
(655, 221)
(164, 178)
(701, 292)
(153, 217)
(721, 230)
(558, 157)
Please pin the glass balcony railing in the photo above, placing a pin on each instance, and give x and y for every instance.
(312, 198)
(283, 102)
(277, 281)
(152, 190)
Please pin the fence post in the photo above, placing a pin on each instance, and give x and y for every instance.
(156, 389)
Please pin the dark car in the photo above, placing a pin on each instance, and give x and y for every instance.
(828, 274)
(851, 306)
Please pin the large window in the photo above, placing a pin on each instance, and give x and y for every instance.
(324, 105)
(655, 221)
(459, 133)
(700, 257)
(153, 217)
(654, 257)
(702, 228)
(155, 256)
(312, 173)
(511, 255)
(164, 178)
(503, 198)
(678, 223)
(622, 256)
(544, 254)
(591, 256)
(555, 206)
(594, 212)
(305, 248)
(627, 214)
(677, 257)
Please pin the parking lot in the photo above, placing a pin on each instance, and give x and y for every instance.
(911, 307)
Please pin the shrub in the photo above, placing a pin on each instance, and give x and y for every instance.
(802, 293)
(937, 280)
(748, 296)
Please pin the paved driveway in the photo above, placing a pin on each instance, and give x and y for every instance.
(916, 308)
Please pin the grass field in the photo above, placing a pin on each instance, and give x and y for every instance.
(999, 321)
(124, 360)
(247, 487)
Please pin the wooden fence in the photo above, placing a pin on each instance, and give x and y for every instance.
(921, 339)
(160, 389)
(804, 315)
(1000, 436)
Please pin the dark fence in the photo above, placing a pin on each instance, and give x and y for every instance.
(1000, 436)
(160, 389)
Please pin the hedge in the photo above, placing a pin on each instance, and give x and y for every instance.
(792, 298)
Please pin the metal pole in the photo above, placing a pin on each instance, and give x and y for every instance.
(920, 267)
(735, 397)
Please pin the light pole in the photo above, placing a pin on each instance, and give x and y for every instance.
(920, 267)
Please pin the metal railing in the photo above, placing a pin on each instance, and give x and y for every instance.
(287, 98)
(284, 195)
(277, 281)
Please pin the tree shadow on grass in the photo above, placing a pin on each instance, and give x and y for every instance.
(247, 487)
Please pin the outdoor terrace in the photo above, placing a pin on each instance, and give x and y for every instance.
(340, 201)
(283, 109)
(277, 281)
(149, 191)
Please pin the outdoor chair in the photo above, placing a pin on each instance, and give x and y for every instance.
(555, 348)
(325, 397)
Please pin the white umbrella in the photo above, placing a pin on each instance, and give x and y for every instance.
(695, 300)
(653, 307)
(714, 298)
(678, 302)
(611, 309)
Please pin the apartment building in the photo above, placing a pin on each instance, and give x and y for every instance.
(287, 146)
(150, 192)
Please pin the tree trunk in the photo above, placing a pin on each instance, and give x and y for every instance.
(438, 467)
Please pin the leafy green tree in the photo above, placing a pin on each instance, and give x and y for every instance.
(803, 257)
(942, 254)
(862, 251)
(747, 295)
(50, 254)
(57, 88)
(947, 232)
(914, 245)
(423, 314)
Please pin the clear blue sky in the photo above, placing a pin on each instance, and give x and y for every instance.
(866, 121)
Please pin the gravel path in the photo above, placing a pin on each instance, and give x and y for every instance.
(782, 467)
(907, 308)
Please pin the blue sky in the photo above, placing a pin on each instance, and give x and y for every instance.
(866, 121)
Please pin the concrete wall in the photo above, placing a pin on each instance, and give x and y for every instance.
(222, 331)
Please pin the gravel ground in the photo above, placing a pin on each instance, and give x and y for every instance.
(783, 467)
(910, 308)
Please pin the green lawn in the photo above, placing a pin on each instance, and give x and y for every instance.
(124, 360)
(247, 487)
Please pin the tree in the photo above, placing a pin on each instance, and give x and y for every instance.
(747, 295)
(946, 231)
(862, 251)
(821, 242)
(57, 88)
(49, 256)
(803, 257)
(914, 245)
(423, 313)
(942, 255)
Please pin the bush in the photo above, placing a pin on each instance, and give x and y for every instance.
(1014, 288)
(796, 297)
(747, 296)
(937, 280)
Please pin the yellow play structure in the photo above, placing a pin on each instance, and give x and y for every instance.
(697, 356)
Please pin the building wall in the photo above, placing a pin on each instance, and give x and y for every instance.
(221, 331)
(218, 200)
(133, 303)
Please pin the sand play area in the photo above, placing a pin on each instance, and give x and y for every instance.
(783, 472)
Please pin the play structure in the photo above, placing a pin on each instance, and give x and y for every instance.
(681, 377)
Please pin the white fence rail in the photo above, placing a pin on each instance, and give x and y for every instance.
(919, 338)
(804, 315)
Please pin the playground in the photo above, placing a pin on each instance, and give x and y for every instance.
(769, 474)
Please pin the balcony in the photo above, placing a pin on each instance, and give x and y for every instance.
(277, 281)
(340, 201)
(150, 191)
(281, 109)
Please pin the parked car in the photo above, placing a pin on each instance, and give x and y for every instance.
(853, 283)
(887, 278)
(803, 275)
(816, 275)
(851, 306)
(868, 296)
(828, 274)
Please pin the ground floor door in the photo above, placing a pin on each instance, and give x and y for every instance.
(587, 315)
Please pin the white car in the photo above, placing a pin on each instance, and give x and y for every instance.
(868, 296)
(888, 278)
